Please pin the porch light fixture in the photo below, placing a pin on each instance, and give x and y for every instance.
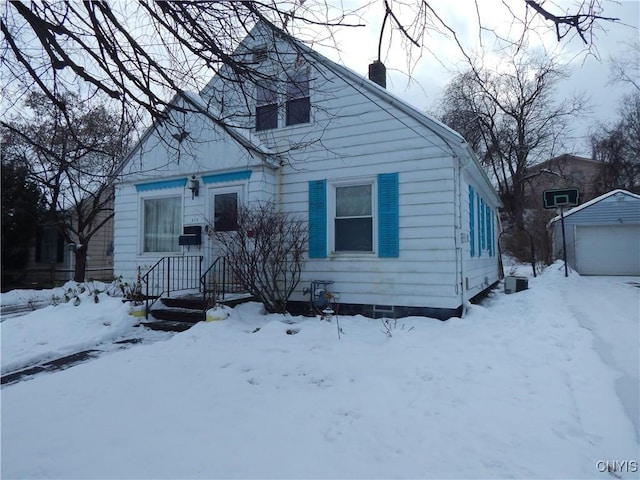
(194, 186)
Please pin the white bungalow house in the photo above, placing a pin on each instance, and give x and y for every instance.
(401, 216)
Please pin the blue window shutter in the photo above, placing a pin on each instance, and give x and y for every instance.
(317, 219)
(479, 229)
(496, 235)
(487, 211)
(489, 232)
(483, 227)
(472, 227)
(388, 225)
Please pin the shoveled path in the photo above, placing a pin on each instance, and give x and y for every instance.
(618, 350)
(68, 361)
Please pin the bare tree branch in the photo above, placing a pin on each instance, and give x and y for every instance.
(73, 155)
(580, 22)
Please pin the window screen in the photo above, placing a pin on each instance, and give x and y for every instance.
(298, 101)
(266, 106)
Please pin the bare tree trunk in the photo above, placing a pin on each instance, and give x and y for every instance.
(80, 264)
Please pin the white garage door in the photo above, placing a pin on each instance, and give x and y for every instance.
(608, 250)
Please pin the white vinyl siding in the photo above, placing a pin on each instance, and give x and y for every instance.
(358, 139)
(360, 135)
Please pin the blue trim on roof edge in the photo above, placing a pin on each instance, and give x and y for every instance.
(144, 187)
(226, 177)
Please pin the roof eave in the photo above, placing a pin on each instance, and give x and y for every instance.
(593, 201)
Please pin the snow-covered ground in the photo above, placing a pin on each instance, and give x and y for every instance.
(67, 319)
(538, 384)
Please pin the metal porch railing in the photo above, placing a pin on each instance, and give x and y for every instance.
(171, 274)
(217, 281)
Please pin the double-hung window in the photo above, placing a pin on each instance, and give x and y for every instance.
(358, 217)
(266, 106)
(162, 224)
(298, 101)
(353, 218)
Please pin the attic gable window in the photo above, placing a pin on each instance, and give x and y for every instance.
(298, 101)
(266, 106)
(259, 54)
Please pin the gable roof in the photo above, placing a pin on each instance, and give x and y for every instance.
(564, 159)
(245, 139)
(594, 201)
(242, 136)
(263, 31)
(455, 142)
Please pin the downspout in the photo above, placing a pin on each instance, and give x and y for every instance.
(279, 186)
(463, 292)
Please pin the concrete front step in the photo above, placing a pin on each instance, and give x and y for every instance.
(178, 314)
(196, 302)
(190, 302)
(166, 325)
(185, 315)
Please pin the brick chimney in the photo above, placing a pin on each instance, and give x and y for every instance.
(378, 73)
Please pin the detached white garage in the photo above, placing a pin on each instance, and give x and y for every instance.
(602, 235)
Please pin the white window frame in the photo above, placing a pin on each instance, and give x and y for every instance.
(289, 81)
(141, 230)
(331, 215)
(281, 85)
(271, 86)
(221, 190)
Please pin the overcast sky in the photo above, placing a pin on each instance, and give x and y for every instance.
(430, 73)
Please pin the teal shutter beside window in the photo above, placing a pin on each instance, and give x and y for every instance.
(483, 228)
(496, 234)
(318, 219)
(479, 229)
(388, 213)
(490, 231)
(472, 227)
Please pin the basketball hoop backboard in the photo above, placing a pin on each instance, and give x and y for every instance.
(568, 197)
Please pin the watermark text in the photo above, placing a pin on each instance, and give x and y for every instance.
(613, 466)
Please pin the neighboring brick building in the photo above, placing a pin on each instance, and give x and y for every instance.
(564, 171)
